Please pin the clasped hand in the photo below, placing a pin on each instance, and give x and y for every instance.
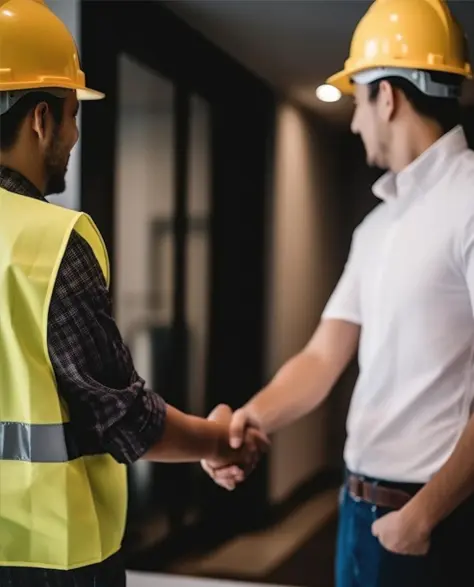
(238, 456)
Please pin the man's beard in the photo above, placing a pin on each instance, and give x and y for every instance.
(56, 183)
(55, 168)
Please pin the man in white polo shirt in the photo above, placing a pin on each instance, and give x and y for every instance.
(405, 301)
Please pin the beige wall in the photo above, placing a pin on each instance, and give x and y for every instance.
(303, 265)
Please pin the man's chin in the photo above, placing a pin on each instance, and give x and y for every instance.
(56, 187)
(374, 162)
(370, 162)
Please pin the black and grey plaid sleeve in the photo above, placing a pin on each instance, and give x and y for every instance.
(110, 408)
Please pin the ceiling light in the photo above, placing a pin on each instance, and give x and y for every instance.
(328, 93)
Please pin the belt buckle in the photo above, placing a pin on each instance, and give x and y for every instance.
(365, 490)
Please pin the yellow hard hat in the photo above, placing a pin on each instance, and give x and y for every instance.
(406, 35)
(37, 51)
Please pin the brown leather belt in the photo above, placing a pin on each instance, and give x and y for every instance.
(385, 497)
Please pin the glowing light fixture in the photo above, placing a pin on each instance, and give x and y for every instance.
(327, 93)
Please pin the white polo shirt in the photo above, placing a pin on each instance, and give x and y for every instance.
(409, 283)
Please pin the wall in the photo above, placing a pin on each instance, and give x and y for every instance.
(69, 11)
(304, 263)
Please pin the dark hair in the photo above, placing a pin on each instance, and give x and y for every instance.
(11, 121)
(445, 111)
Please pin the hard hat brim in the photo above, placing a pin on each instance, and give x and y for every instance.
(88, 94)
(342, 81)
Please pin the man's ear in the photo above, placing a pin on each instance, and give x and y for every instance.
(42, 121)
(386, 101)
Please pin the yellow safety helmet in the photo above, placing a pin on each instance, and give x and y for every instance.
(37, 51)
(406, 38)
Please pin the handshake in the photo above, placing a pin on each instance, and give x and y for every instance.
(240, 449)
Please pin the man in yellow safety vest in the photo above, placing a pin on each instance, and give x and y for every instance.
(73, 411)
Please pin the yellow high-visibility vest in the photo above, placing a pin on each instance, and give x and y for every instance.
(59, 509)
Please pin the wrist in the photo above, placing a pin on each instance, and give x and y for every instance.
(220, 448)
(255, 414)
(208, 437)
(418, 515)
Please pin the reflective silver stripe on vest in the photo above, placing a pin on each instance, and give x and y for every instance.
(37, 443)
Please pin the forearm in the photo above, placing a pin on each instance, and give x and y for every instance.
(305, 381)
(188, 438)
(113, 407)
(449, 487)
(301, 385)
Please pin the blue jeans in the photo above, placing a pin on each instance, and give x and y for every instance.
(361, 561)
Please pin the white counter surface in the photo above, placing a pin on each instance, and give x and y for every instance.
(135, 579)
